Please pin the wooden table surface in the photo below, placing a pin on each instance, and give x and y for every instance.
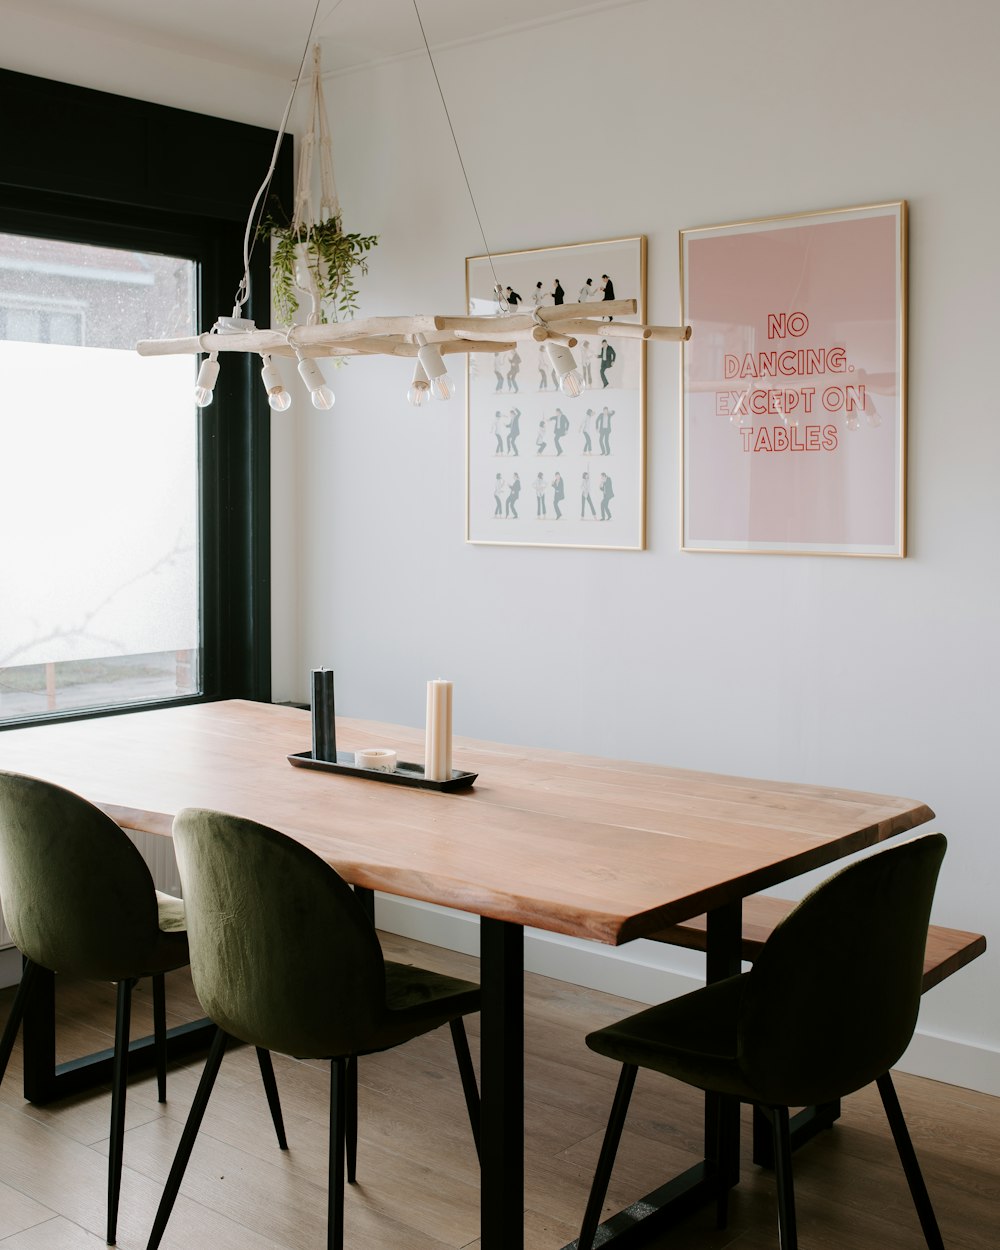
(594, 848)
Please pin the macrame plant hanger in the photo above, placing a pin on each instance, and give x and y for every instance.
(304, 215)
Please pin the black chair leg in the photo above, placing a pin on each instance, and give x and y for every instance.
(160, 1035)
(468, 1074)
(119, 1084)
(602, 1176)
(787, 1235)
(16, 1016)
(186, 1144)
(338, 1128)
(271, 1090)
(908, 1158)
(351, 1119)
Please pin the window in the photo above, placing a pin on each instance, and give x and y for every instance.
(100, 573)
(134, 554)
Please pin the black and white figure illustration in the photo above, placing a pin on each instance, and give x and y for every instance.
(541, 486)
(513, 431)
(607, 494)
(545, 370)
(608, 357)
(510, 507)
(586, 429)
(558, 494)
(585, 498)
(513, 367)
(586, 359)
(568, 439)
(604, 430)
(560, 427)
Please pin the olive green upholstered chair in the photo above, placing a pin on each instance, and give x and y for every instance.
(284, 956)
(828, 1007)
(78, 898)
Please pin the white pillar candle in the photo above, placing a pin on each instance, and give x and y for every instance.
(437, 737)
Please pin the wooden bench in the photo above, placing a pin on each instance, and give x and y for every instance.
(947, 949)
(946, 952)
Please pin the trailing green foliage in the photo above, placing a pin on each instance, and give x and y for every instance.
(334, 258)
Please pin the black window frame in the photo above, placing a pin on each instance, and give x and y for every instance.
(90, 167)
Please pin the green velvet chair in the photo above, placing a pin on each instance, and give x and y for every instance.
(284, 956)
(828, 1007)
(78, 898)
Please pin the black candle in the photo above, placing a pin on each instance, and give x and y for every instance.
(324, 729)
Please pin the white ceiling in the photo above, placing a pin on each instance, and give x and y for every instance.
(269, 35)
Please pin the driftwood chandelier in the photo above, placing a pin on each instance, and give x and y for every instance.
(426, 338)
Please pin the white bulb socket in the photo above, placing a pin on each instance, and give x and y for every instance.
(561, 360)
(320, 394)
(204, 388)
(277, 396)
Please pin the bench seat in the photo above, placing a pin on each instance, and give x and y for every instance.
(947, 949)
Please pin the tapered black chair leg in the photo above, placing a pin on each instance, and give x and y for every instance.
(908, 1158)
(16, 1016)
(468, 1074)
(186, 1143)
(338, 1127)
(787, 1235)
(160, 1035)
(271, 1090)
(351, 1119)
(119, 1084)
(602, 1176)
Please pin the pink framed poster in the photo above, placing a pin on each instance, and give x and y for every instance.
(794, 384)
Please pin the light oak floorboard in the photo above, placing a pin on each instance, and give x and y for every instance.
(418, 1179)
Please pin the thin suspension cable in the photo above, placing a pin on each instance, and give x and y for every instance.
(250, 234)
(458, 152)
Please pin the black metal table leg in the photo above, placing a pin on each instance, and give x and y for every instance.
(710, 1180)
(45, 1080)
(501, 949)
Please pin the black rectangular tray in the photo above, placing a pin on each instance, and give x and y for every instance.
(405, 774)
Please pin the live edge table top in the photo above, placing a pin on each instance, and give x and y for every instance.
(594, 848)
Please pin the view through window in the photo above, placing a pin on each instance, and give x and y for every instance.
(99, 559)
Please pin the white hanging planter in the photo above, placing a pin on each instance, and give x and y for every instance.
(313, 260)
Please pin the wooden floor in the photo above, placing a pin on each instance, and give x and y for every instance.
(418, 1184)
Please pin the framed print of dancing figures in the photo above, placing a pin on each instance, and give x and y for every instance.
(546, 468)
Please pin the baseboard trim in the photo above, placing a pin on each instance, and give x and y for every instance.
(649, 972)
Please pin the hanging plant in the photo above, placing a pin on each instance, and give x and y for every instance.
(312, 255)
(319, 259)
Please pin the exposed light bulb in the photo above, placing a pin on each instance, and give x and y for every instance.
(561, 360)
(432, 363)
(208, 375)
(277, 396)
(420, 388)
(442, 387)
(852, 421)
(320, 394)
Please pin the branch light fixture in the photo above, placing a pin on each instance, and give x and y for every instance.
(426, 338)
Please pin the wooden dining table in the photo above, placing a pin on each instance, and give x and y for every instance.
(599, 849)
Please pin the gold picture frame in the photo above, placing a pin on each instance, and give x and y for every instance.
(793, 384)
(542, 469)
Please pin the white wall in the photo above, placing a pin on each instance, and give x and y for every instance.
(879, 675)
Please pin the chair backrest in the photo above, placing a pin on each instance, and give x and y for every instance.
(77, 896)
(831, 1001)
(282, 953)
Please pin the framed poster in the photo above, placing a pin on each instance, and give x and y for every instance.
(794, 384)
(542, 469)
